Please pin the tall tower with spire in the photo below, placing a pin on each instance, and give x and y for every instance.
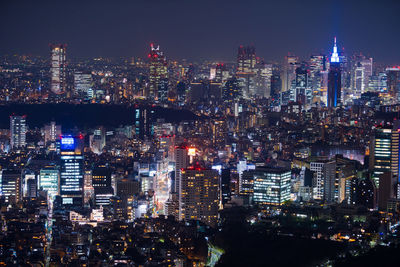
(334, 79)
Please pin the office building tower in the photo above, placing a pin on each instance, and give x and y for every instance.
(246, 59)
(88, 191)
(58, 68)
(199, 198)
(317, 167)
(386, 191)
(11, 185)
(263, 80)
(361, 74)
(318, 67)
(52, 133)
(101, 182)
(288, 72)
(393, 83)
(31, 188)
(301, 92)
(225, 186)
(27, 176)
(246, 71)
(331, 182)
(384, 151)
(334, 80)
(231, 90)
(18, 131)
(181, 162)
(71, 171)
(97, 140)
(271, 186)
(157, 70)
(83, 85)
(143, 122)
(49, 180)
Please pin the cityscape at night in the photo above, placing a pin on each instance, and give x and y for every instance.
(184, 133)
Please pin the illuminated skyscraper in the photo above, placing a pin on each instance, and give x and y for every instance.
(101, 182)
(393, 83)
(361, 73)
(83, 84)
(302, 92)
(52, 133)
(18, 131)
(246, 63)
(11, 185)
(71, 173)
(181, 162)
(49, 180)
(246, 59)
(58, 68)
(288, 72)
(334, 80)
(384, 151)
(199, 198)
(271, 186)
(158, 72)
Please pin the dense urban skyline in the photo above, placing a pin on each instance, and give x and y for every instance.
(201, 30)
(181, 133)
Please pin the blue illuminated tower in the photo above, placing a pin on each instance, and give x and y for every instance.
(334, 80)
(71, 171)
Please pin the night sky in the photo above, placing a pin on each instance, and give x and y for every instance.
(201, 29)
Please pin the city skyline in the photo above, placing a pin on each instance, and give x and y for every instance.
(207, 31)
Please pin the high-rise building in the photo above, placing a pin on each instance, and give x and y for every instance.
(98, 140)
(101, 182)
(18, 131)
(199, 198)
(384, 151)
(83, 84)
(71, 171)
(52, 133)
(288, 72)
(225, 186)
(393, 83)
(361, 74)
(143, 122)
(386, 189)
(158, 71)
(231, 90)
(11, 185)
(271, 186)
(49, 180)
(246, 59)
(58, 68)
(331, 182)
(334, 80)
(301, 92)
(181, 162)
(318, 67)
(246, 63)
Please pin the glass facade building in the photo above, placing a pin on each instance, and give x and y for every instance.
(71, 173)
(271, 186)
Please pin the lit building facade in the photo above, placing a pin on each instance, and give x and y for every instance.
(11, 185)
(158, 72)
(49, 180)
(71, 171)
(334, 80)
(18, 131)
(271, 186)
(199, 198)
(58, 68)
